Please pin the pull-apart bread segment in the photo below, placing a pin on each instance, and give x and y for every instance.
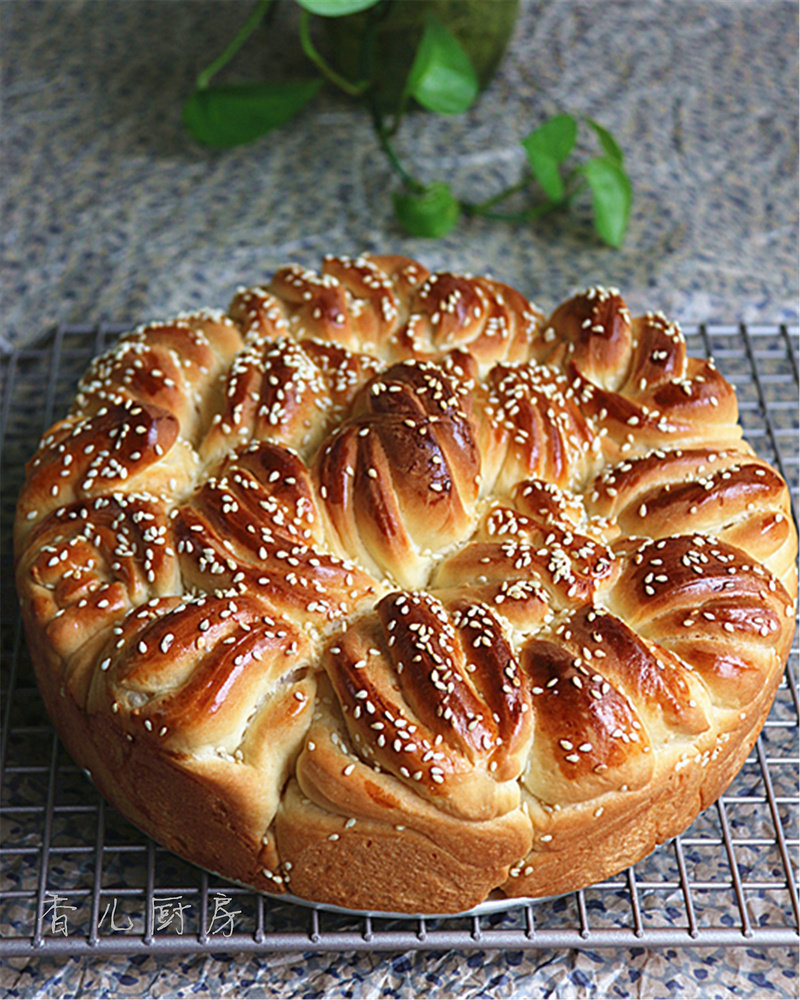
(385, 590)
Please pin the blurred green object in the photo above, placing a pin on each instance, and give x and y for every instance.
(483, 27)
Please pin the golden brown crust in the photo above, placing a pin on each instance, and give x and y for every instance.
(387, 591)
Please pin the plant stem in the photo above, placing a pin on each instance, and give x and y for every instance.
(350, 88)
(377, 14)
(394, 159)
(246, 30)
(481, 207)
(575, 181)
(484, 208)
(528, 214)
(398, 114)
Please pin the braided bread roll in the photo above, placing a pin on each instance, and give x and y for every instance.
(387, 591)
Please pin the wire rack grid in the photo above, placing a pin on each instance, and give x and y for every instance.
(77, 879)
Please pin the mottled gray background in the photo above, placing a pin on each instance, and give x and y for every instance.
(111, 212)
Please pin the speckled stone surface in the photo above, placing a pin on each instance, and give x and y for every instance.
(699, 974)
(112, 213)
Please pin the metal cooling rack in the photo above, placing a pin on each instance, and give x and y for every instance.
(731, 879)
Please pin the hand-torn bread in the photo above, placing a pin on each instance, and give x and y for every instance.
(387, 591)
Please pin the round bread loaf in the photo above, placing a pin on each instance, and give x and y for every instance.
(385, 590)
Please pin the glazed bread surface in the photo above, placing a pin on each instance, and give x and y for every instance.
(385, 590)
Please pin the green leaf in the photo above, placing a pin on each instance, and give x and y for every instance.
(336, 8)
(237, 113)
(432, 212)
(547, 147)
(607, 141)
(441, 78)
(545, 170)
(611, 197)
(554, 138)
